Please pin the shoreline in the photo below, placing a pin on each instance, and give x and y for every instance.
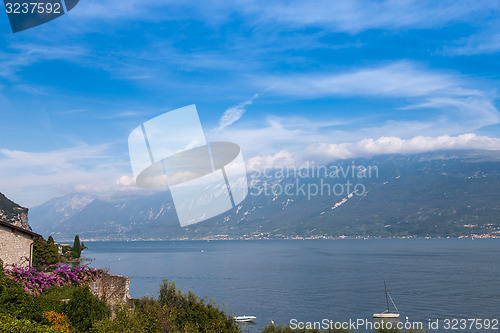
(215, 238)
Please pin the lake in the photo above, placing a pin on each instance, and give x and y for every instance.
(312, 280)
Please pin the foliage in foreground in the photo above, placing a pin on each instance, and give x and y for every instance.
(21, 311)
(44, 311)
(173, 311)
(35, 281)
(84, 309)
(13, 325)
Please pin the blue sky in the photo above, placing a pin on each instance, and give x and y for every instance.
(288, 81)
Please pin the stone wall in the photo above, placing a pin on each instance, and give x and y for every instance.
(113, 288)
(15, 246)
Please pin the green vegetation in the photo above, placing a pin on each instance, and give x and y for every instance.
(45, 252)
(14, 325)
(78, 247)
(84, 309)
(69, 308)
(173, 311)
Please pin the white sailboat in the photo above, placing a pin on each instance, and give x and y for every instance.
(245, 319)
(387, 313)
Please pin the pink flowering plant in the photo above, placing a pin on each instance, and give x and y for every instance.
(35, 282)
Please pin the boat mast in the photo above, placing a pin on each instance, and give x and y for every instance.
(393, 303)
(386, 299)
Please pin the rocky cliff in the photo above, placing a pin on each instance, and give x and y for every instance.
(11, 212)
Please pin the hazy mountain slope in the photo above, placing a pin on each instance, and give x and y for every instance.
(433, 194)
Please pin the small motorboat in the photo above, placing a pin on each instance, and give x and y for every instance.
(245, 319)
(387, 313)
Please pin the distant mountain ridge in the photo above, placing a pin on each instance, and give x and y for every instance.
(56, 211)
(438, 194)
(11, 212)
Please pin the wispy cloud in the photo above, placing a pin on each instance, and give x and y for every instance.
(116, 9)
(487, 42)
(24, 55)
(457, 103)
(398, 79)
(31, 178)
(343, 15)
(234, 113)
(359, 15)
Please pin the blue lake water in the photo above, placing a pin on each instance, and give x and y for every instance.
(312, 280)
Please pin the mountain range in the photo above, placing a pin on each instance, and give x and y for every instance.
(437, 194)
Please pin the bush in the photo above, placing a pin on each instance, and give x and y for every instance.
(58, 321)
(14, 325)
(59, 292)
(25, 312)
(194, 314)
(174, 311)
(35, 281)
(126, 321)
(84, 309)
(15, 301)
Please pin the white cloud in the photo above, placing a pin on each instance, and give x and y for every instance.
(457, 104)
(234, 113)
(399, 79)
(326, 152)
(395, 145)
(342, 15)
(116, 9)
(359, 15)
(487, 42)
(31, 178)
(125, 180)
(30, 53)
(425, 103)
(274, 134)
(280, 159)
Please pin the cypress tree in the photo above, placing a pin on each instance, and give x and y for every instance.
(76, 250)
(52, 251)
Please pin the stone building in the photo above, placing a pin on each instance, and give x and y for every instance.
(16, 244)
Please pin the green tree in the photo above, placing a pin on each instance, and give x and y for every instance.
(45, 252)
(76, 250)
(84, 309)
(52, 251)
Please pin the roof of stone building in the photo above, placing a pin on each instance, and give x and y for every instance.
(13, 227)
